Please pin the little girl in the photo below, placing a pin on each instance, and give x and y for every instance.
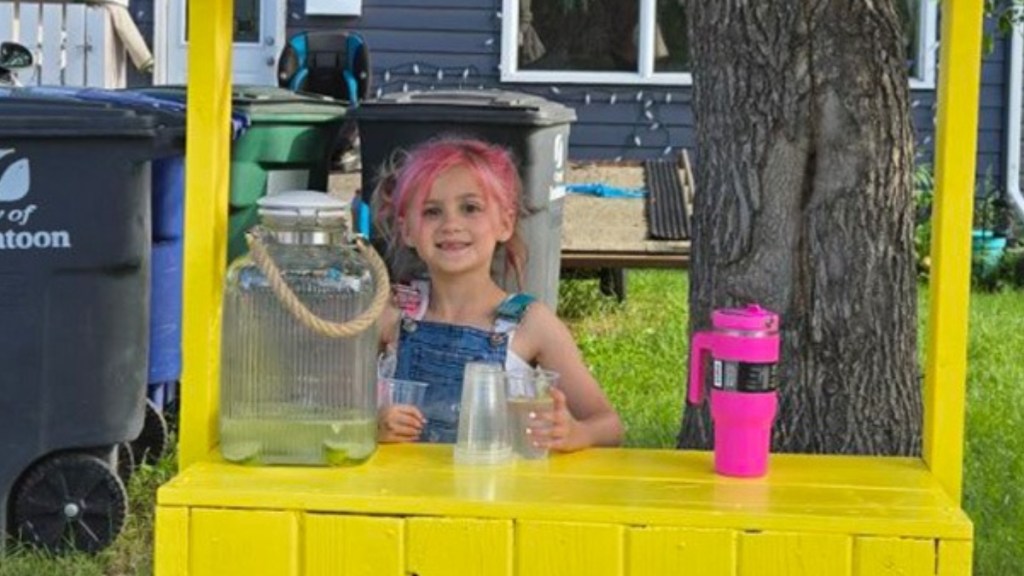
(451, 204)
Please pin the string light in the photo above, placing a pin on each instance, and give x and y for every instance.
(649, 129)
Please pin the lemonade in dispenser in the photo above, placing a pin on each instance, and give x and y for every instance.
(300, 336)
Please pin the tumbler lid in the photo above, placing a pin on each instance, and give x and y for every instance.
(303, 207)
(750, 318)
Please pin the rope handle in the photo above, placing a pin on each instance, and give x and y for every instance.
(299, 310)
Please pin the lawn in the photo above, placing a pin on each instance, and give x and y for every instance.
(637, 350)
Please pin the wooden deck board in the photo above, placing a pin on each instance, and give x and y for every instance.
(612, 232)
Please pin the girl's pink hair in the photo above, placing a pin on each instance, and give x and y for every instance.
(492, 166)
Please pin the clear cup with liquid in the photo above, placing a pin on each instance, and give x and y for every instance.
(529, 406)
(483, 416)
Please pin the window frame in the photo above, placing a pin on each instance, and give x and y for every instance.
(927, 51)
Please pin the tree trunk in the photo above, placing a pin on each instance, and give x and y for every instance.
(804, 204)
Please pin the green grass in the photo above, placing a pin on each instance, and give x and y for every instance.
(638, 349)
(994, 462)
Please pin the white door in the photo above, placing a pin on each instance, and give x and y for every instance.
(258, 40)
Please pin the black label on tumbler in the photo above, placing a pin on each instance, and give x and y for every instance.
(745, 377)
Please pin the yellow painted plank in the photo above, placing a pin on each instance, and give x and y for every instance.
(569, 549)
(893, 557)
(458, 546)
(421, 480)
(206, 217)
(244, 543)
(955, 144)
(793, 554)
(955, 557)
(656, 551)
(171, 549)
(340, 545)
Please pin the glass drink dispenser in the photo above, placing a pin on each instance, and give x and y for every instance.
(300, 337)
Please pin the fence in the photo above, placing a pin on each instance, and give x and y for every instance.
(74, 44)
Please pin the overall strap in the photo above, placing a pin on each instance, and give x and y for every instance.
(511, 311)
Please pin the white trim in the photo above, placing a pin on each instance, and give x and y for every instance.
(1013, 120)
(622, 78)
(160, 15)
(334, 7)
(509, 38)
(645, 50)
(927, 53)
(927, 46)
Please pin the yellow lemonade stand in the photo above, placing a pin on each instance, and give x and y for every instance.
(594, 513)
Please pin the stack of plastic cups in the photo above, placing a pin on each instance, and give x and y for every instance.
(483, 416)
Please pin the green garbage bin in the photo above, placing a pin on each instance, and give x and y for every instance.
(288, 146)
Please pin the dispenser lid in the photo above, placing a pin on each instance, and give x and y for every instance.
(303, 205)
(750, 318)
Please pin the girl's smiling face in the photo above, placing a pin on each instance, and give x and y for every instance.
(457, 226)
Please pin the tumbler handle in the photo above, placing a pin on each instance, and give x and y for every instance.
(700, 346)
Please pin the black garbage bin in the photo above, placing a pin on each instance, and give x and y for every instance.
(74, 301)
(167, 208)
(535, 129)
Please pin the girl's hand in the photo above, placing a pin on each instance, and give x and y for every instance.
(399, 423)
(557, 430)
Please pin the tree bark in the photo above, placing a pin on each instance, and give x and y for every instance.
(804, 204)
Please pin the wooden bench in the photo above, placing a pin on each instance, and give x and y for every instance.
(605, 236)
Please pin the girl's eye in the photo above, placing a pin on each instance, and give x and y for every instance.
(431, 211)
(472, 208)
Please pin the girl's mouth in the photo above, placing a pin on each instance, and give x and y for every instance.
(452, 246)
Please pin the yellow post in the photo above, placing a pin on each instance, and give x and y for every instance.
(206, 219)
(956, 141)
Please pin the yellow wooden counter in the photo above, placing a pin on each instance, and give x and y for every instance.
(410, 510)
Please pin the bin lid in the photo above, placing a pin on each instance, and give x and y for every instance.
(266, 103)
(170, 115)
(485, 106)
(40, 117)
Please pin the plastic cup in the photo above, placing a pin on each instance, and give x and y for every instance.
(483, 416)
(398, 391)
(529, 393)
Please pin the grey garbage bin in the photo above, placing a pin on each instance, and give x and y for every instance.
(74, 298)
(535, 129)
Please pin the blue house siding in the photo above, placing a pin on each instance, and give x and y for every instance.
(424, 44)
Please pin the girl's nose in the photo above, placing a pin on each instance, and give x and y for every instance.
(450, 220)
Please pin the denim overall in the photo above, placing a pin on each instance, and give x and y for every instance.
(437, 353)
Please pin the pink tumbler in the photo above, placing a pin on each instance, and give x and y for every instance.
(744, 349)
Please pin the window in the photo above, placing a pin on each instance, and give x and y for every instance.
(247, 22)
(920, 25)
(595, 41)
(643, 41)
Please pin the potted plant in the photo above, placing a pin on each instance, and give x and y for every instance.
(987, 241)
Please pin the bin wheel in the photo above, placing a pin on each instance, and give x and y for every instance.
(125, 462)
(151, 444)
(70, 501)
